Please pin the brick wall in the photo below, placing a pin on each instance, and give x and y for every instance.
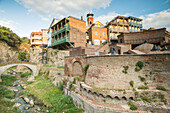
(106, 71)
(77, 32)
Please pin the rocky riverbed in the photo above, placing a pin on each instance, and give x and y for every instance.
(25, 103)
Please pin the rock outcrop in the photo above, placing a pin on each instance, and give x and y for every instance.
(7, 53)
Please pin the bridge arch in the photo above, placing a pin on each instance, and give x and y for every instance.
(32, 67)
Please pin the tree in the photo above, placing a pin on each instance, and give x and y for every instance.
(22, 55)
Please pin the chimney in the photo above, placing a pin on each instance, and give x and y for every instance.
(81, 17)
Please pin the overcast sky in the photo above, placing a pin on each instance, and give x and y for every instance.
(26, 16)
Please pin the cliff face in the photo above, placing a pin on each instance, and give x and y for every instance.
(53, 58)
(7, 53)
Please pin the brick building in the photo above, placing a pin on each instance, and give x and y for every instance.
(155, 36)
(68, 32)
(97, 33)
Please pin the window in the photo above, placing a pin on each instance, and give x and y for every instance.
(96, 42)
(96, 33)
(103, 33)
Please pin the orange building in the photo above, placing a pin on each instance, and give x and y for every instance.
(38, 39)
(97, 33)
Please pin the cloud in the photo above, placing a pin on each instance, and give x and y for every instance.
(2, 11)
(157, 20)
(14, 26)
(108, 17)
(166, 1)
(8, 23)
(62, 8)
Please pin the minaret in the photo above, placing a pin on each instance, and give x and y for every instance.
(90, 18)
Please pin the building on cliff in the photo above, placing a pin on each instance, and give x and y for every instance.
(38, 39)
(68, 33)
(96, 32)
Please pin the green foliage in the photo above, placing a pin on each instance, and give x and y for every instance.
(52, 96)
(55, 51)
(143, 87)
(119, 89)
(58, 73)
(7, 107)
(139, 66)
(125, 69)
(64, 103)
(7, 80)
(60, 67)
(161, 88)
(53, 66)
(134, 89)
(136, 94)
(137, 69)
(79, 79)
(6, 93)
(132, 106)
(141, 78)
(26, 74)
(60, 86)
(22, 55)
(86, 68)
(9, 37)
(46, 65)
(145, 98)
(131, 83)
(145, 83)
(29, 82)
(12, 68)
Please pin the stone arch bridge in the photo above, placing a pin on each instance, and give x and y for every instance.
(31, 66)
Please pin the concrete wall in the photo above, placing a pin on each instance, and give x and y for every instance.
(106, 71)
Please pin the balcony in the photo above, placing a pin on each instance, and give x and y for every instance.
(60, 41)
(135, 24)
(36, 43)
(65, 28)
(118, 30)
(36, 37)
(123, 23)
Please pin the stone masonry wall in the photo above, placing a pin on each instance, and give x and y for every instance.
(106, 71)
(53, 58)
(56, 59)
